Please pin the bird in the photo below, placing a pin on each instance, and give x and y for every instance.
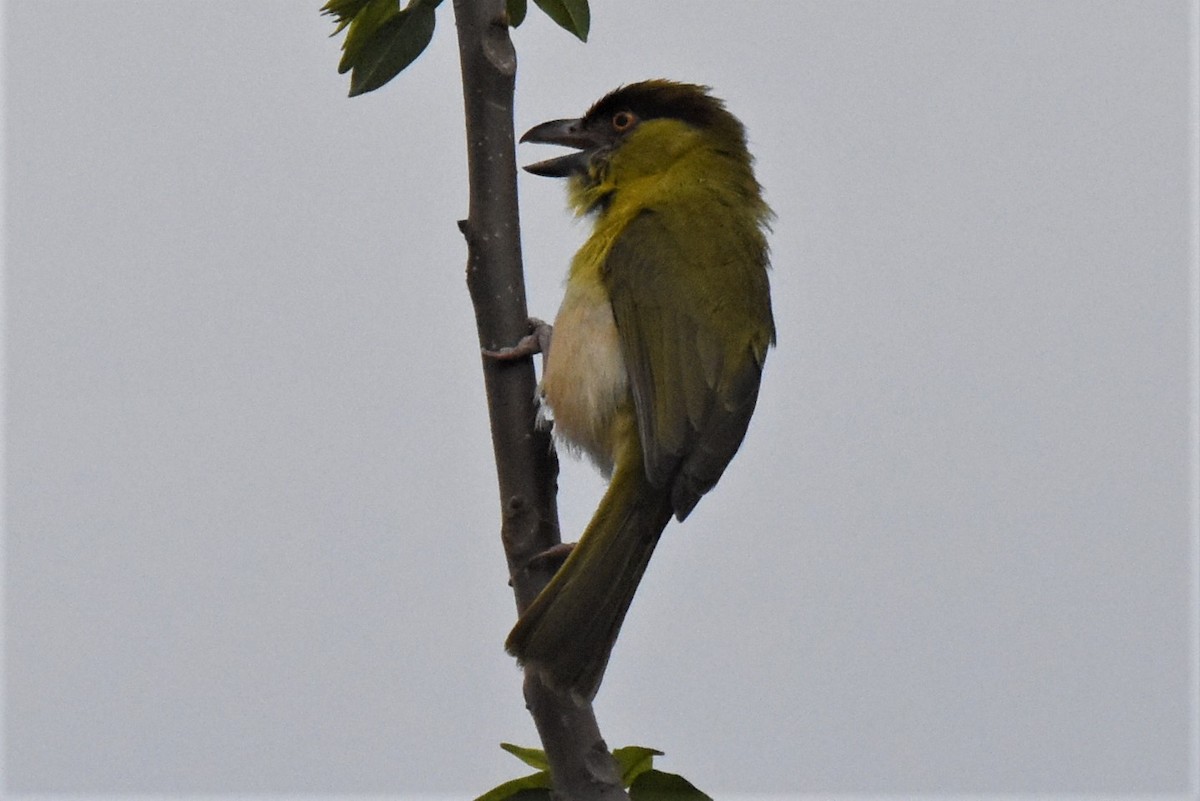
(656, 354)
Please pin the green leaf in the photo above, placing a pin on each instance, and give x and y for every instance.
(542, 794)
(571, 15)
(369, 15)
(534, 787)
(634, 761)
(533, 757)
(654, 785)
(516, 12)
(394, 45)
(343, 12)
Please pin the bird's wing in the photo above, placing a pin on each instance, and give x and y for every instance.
(693, 312)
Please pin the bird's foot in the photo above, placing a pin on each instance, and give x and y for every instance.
(536, 341)
(551, 558)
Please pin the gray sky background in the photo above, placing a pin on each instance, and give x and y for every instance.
(250, 509)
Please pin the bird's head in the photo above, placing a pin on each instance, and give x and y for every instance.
(637, 131)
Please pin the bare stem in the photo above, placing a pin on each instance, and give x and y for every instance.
(526, 466)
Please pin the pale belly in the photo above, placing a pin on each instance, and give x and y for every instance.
(585, 384)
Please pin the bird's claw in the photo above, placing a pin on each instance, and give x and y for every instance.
(551, 558)
(536, 341)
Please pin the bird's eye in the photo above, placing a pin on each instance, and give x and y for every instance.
(623, 120)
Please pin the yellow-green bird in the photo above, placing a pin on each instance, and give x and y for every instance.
(658, 347)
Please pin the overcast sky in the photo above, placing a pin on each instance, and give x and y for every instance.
(251, 518)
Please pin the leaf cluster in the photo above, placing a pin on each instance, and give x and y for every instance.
(638, 775)
(382, 38)
(573, 16)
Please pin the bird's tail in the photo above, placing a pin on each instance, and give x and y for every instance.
(568, 632)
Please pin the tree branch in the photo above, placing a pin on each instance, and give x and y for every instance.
(526, 467)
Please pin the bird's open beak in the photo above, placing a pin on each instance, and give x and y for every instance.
(569, 133)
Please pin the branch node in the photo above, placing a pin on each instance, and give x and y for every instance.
(515, 530)
(498, 48)
(515, 507)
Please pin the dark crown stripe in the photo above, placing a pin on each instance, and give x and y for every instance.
(656, 99)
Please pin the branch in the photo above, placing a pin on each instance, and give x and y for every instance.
(527, 469)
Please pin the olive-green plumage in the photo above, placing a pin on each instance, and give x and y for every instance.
(658, 346)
